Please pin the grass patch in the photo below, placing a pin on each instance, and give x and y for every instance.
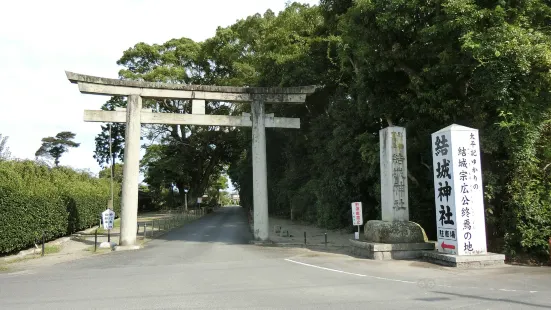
(24, 258)
(116, 224)
(51, 249)
(4, 268)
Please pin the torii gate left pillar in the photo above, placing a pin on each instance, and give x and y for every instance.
(130, 175)
(134, 117)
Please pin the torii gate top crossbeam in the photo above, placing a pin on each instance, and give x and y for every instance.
(104, 86)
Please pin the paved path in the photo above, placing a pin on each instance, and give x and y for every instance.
(209, 264)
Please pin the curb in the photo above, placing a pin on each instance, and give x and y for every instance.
(270, 243)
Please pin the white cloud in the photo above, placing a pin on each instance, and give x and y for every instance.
(39, 40)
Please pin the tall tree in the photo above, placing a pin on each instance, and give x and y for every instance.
(184, 155)
(54, 147)
(4, 149)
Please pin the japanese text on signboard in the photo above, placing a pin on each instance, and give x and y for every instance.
(357, 218)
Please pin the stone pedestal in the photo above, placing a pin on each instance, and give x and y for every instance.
(386, 251)
(392, 240)
(126, 247)
(464, 261)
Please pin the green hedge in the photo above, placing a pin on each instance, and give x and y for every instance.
(57, 201)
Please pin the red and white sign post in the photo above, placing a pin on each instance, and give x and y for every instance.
(357, 217)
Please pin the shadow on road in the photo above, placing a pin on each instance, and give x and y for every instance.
(548, 306)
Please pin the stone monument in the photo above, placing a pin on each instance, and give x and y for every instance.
(394, 237)
(459, 200)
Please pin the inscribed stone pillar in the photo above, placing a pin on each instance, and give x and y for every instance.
(394, 185)
(131, 167)
(260, 182)
(458, 191)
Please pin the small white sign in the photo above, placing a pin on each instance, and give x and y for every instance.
(108, 217)
(199, 200)
(357, 217)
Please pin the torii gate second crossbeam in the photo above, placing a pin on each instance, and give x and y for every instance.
(134, 116)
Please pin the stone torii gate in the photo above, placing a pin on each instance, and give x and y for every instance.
(134, 116)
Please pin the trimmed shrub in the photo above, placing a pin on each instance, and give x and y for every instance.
(36, 199)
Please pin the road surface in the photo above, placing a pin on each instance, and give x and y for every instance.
(209, 264)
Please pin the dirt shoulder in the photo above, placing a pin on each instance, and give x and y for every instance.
(284, 232)
(81, 244)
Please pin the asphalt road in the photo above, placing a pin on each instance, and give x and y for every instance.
(209, 264)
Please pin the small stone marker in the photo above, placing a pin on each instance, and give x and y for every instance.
(458, 191)
(394, 185)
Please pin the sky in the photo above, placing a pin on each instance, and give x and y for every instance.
(40, 40)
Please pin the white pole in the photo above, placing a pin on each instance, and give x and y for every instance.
(112, 164)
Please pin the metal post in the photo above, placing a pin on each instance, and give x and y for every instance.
(304, 238)
(144, 231)
(96, 240)
(325, 239)
(186, 200)
(111, 172)
(43, 245)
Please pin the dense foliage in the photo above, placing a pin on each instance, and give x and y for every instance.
(418, 64)
(36, 199)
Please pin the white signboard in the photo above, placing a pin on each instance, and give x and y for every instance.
(199, 199)
(357, 217)
(458, 191)
(108, 217)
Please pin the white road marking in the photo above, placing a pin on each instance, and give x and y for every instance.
(403, 281)
(350, 273)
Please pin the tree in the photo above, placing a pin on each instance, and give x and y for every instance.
(54, 147)
(101, 154)
(117, 175)
(4, 149)
(180, 155)
(421, 65)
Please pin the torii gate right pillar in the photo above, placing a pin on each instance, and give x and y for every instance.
(260, 179)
